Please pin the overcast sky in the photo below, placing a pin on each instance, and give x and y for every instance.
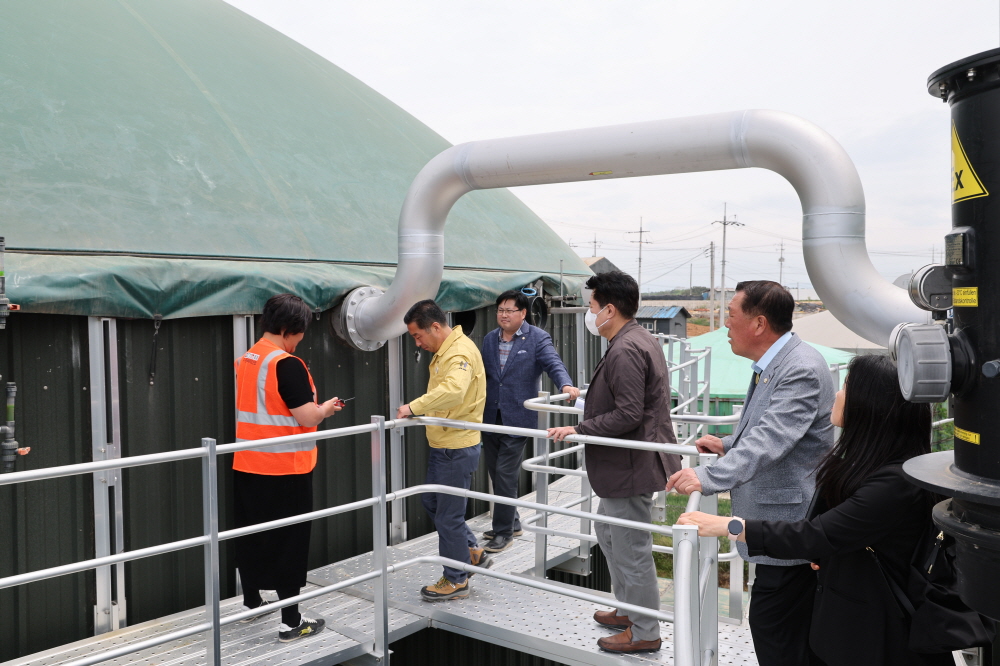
(476, 70)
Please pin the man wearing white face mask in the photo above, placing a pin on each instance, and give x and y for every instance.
(629, 398)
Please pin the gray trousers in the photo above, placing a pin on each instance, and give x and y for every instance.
(630, 559)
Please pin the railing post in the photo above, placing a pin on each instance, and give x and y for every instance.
(581, 351)
(101, 450)
(687, 616)
(706, 404)
(542, 490)
(397, 455)
(709, 547)
(585, 491)
(736, 588)
(210, 504)
(380, 543)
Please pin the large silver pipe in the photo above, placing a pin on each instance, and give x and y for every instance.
(833, 205)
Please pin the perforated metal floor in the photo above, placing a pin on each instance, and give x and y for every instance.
(528, 620)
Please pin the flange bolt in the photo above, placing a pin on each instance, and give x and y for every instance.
(991, 369)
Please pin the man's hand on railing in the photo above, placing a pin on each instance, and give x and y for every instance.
(559, 434)
(573, 391)
(404, 412)
(710, 444)
(685, 482)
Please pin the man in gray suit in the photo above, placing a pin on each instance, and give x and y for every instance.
(768, 462)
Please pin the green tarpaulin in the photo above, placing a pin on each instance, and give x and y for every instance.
(730, 374)
(181, 158)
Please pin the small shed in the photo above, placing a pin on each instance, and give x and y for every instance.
(670, 320)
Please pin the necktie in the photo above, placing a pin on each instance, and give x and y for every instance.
(753, 387)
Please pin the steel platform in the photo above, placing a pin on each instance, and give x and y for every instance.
(524, 619)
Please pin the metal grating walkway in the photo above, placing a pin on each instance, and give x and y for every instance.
(522, 618)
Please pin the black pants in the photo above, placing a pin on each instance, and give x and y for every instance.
(780, 614)
(276, 559)
(503, 462)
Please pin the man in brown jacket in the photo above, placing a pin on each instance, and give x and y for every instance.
(629, 398)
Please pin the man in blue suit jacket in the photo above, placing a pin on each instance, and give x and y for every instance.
(515, 354)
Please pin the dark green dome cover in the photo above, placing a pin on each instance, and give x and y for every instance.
(182, 158)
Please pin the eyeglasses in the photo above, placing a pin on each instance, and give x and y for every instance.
(503, 311)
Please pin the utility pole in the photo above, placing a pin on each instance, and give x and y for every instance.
(711, 288)
(641, 243)
(691, 279)
(725, 222)
(781, 265)
(595, 245)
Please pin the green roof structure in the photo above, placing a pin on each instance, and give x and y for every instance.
(183, 159)
(730, 374)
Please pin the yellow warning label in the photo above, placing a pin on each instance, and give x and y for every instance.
(965, 184)
(965, 297)
(965, 435)
(599, 173)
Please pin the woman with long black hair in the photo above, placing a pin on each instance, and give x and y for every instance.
(864, 508)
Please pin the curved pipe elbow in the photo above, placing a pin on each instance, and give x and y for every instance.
(828, 186)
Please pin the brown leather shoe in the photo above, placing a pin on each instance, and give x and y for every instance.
(612, 619)
(623, 643)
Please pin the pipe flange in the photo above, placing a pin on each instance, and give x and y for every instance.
(347, 322)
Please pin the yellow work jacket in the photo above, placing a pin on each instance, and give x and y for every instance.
(456, 390)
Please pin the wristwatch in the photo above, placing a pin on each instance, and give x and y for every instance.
(735, 528)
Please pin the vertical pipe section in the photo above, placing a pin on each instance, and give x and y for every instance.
(210, 513)
(397, 454)
(380, 544)
(4, 301)
(8, 449)
(542, 490)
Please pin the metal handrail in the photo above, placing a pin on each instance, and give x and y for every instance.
(45, 473)
(209, 452)
(663, 447)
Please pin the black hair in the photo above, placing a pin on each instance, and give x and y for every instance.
(285, 314)
(880, 426)
(763, 297)
(520, 299)
(425, 313)
(618, 289)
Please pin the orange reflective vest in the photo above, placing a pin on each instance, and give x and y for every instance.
(261, 413)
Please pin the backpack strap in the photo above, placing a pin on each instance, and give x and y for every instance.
(905, 605)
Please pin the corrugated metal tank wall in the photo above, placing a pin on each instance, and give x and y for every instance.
(189, 397)
(46, 523)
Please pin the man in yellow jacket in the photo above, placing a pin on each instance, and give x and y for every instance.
(456, 390)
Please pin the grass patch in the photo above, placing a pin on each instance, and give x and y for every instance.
(698, 321)
(665, 563)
